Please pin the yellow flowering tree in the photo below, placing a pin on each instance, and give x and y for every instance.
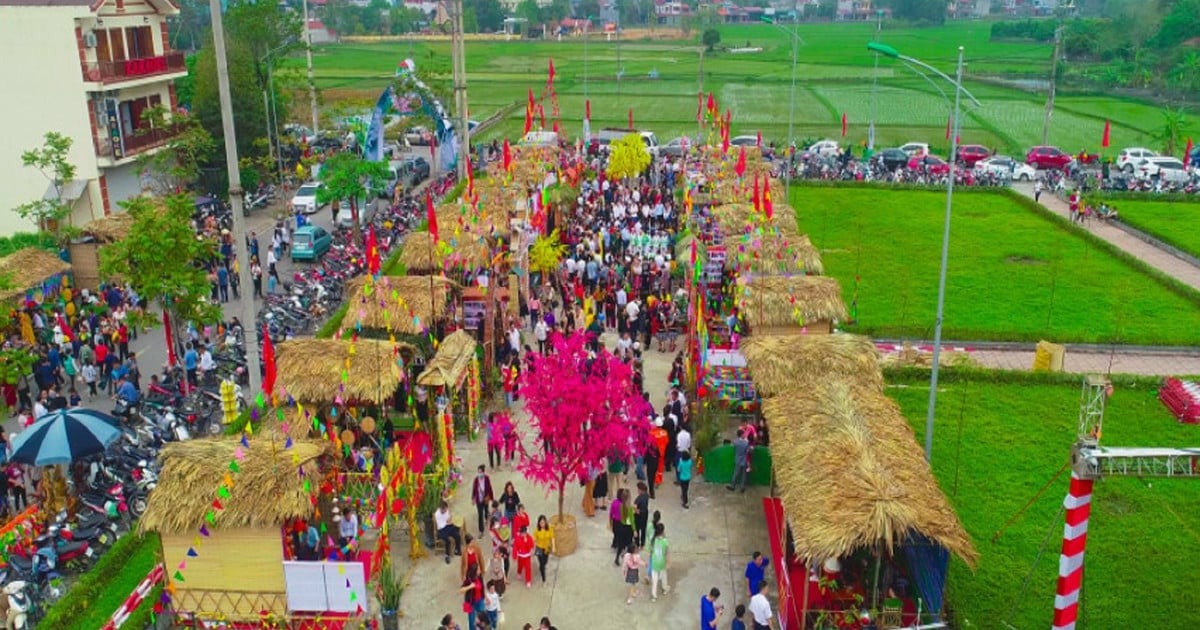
(628, 157)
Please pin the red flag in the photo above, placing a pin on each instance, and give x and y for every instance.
(433, 228)
(556, 126)
(740, 167)
(470, 176)
(758, 142)
(947, 127)
(541, 116)
(587, 109)
(170, 343)
(843, 124)
(712, 105)
(631, 119)
(66, 328)
(372, 252)
(268, 355)
(1107, 130)
(699, 106)
(528, 119)
(550, 81)
(507, 156)
(756, 200)
(768, 207)
(531, 98)
(1187, 154)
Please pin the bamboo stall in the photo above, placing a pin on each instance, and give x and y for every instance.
(406, 305)
(777, 304)
(325, 371)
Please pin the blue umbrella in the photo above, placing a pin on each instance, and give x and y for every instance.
(63, 436)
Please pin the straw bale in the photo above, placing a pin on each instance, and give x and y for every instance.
(311, 370)
(267, 489)
(421, 255)
(454, 354)
(778, 251)
(787, 365)
(775, 301)
(27, 268)
(851, 475)
(397, 303)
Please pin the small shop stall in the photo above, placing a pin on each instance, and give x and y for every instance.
(85, 251)
(34, 276)
(400, 305)
(221, 507)
(461, 256)
(773, 305)
(455, 388)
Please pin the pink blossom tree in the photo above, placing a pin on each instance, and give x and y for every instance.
(583, 408)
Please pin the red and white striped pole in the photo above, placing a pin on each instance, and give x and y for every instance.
(1070, 564)
(135, 598)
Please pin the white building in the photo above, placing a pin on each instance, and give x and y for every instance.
(88, 70)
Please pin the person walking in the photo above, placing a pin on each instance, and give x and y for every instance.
(256, 273)
(685, 476)
(741, 462)
(760, 608)
(495, 441)
(652, 462)
(495, 573)
(543, 540)
(491, 605)
(509, 500)
(755, 572)
(473, 600)
(481, 495)
(523, 545)
(1037, 191)
(710, 611)
(631, 563)
(659, 550)
(641, 513)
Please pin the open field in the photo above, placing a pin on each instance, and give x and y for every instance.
(998, 444)
(1171, 222)
(834, 75)
(1013, 275)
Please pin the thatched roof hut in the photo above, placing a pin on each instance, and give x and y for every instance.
(785, 364)
(268, 489)
(311, 370)
(404, 304)
(778, 302)
(738, 218)
(774, 251)
(28, 268)
(111, 228)
(466, 251)
(448, 366)
(851, 475)
(488, 222)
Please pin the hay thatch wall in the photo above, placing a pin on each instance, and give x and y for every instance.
(450, 363)
(111, 228)
(230, 562)
(267, 489)
(851, 475)
(794, 301)
(793, 364)
(310, 370)
(393, 301)
(421, 255)
(28, 268)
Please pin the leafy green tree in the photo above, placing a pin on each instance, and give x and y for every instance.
(347, 177)
(1178, 25)
(51, 161)
(927, 11)
(587, 8)
(176, 166)
(628, 157)
(529, 10)
(263, 29)
(1173, 130)
(489, 14)
(249, 118)
(402, 19)
(558, 10)
(162, 258)
(711, 38)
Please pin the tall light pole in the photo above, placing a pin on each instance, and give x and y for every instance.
(874, 84)
(312, 86)
(959, 90)
(587, 22)
(273, 115)
(794, 34)
(235, 200)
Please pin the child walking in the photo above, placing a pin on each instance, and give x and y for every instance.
(90, 376)
(630, 566)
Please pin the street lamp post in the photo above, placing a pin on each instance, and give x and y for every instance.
(874, 85)
(794, 34)
(959, 90)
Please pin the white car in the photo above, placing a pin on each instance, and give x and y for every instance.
(825, 148)
(915, 149)
(1005, 166)
(305, 199)
(1129, 158)
(744, 141)
(1168, 169)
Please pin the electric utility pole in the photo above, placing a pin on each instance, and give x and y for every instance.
(1053, 82)
(459, 66)
(312, 86)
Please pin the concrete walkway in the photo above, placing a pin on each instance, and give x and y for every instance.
(1156, 257)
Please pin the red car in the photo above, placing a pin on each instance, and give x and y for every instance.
(1047, 157)
(931, 164)
(969, 154)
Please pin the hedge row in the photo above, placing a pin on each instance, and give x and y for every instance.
(101, 590)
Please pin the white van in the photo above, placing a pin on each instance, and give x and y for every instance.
(608, 135)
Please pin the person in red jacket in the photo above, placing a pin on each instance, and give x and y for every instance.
(521, 519)
(523, 549)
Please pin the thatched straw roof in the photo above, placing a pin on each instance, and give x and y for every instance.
(420, 255)
(851, 475)
(454, 354)
(311, 370)
(267, 488)
(774, 251)
(397, 302)
(774, 301)
(111, 228)
(28, 268)
(487, 222)
(784, 365)
(683, 250)
(736, 218)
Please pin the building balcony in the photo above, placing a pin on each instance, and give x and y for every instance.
(120, 149)
(110, 72)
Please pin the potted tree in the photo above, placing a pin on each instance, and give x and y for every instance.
(389, 589)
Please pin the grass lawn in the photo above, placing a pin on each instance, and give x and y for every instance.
(998, 444)
(834, 73)
(120, 585)
(1013, 275)
(1177, 224)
